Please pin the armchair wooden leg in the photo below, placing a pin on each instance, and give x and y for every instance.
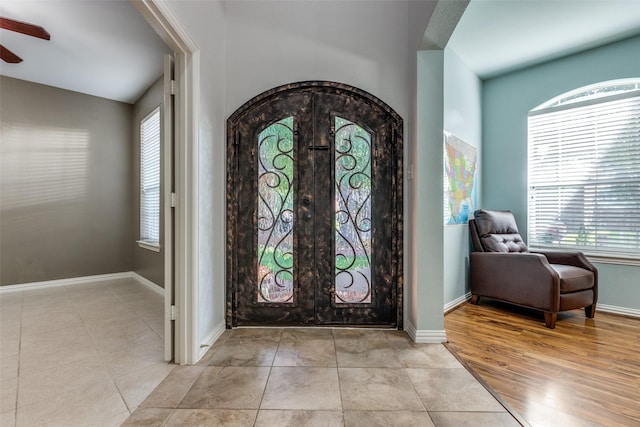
(550, 319)
(475, 299)
(590, 311)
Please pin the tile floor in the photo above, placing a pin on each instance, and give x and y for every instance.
(93, 355)
(274, 377)
(79, 355)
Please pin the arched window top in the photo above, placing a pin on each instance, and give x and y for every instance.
(591, 92)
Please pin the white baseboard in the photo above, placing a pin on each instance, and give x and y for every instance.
(83, 280)
(206, 344)
(456, 302)
(426, 336)
(631, 312)
(148, 283)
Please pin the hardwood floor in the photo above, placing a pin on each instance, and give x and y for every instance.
(585, 372)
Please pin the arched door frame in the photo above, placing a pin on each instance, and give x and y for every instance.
(396, 151)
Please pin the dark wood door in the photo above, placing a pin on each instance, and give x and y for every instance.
(314, 209)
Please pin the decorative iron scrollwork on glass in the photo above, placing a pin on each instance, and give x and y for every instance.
(275, 212)
(353, 213)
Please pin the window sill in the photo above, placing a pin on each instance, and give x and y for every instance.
(155, 247)
(613, 259)
(598, 258)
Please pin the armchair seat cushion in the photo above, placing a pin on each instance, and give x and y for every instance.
(573, 279)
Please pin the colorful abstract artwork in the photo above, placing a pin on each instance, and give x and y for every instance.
(460, 192)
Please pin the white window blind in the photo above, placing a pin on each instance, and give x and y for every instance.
(584, 175)
(150, 179)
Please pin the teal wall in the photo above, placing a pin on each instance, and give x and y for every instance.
(506, 101)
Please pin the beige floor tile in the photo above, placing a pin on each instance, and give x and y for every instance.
(283, 418)
(124, 286)
(452, 390)
(135, 386)
(476, 419)
(59, 377)
(363, 334)
(155, 322)
(10, 310)
(46, 385)
(397, 336)
(92, 295)
(75, 337)
(306, 388)
(173, 388)
(34, 362)
(95, 286)
(245, 352)
(360, 353)
(273, 334)
(413, 355)
(206, 359)
(93, 404)
(121, 335)
(45, 303)
(296, 351)
(147, 417)
(8, 419)
(211, 417)
(308, 333)
(134, 358)
(377, 389)
(39, 323)
(387, 419)
(144, 300)
(116, 421)
(8, 394)
(8, 367)
(228, 387)
(107, 313)
(10, 298)
(10, 338)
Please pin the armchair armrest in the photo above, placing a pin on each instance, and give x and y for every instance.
(574, 258)
(520, 278)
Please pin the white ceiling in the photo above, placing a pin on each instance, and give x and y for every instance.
(101, 48)
(497, 36)
(105, 48)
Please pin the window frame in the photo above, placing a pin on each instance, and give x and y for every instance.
(145, 242)
(604, 253)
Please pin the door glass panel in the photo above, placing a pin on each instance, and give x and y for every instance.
(353, 213)
(275, 213)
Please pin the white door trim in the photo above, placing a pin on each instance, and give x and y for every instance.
(187, 77)
(168, 137)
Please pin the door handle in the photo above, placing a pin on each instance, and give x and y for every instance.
(306, 201)
(307, 216)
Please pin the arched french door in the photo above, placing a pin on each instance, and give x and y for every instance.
(314, 209)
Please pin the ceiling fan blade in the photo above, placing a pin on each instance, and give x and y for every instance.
(7, 56)
(24, 28)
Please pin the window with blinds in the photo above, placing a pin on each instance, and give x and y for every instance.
(584, 171)
(150, 180)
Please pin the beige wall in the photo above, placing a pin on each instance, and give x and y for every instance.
(146, 263)
(65, 184)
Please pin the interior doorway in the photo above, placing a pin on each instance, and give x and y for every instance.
(314, 209)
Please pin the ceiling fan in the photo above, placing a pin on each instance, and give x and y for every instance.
(23, 28)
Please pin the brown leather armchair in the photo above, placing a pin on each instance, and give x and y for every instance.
(503, 268)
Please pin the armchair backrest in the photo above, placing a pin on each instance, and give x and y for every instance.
(495, 231)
